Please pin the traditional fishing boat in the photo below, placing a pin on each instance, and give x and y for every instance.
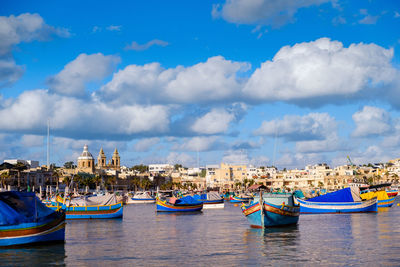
(239, 199)
(25, 220)
(346, 200)
(185, 204)
(94, 207)
(141, 197)
(384, 201)
(269, 210)
(211, 200)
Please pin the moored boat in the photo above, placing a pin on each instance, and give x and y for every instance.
(239, 199)
(384, 201)
(141, 197)
(25, 220)
(185, 204)
(95, 207)
(346, 200)
(269, 210)
(211, 200)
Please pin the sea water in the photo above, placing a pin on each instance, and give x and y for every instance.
(219, 238)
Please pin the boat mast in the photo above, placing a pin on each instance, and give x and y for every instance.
(48, 144)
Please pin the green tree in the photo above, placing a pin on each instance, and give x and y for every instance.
(203, 173)
(69, 165)
(177, 166)
(140, 168)
(19, 167)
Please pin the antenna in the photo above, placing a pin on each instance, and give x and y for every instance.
(48, 144)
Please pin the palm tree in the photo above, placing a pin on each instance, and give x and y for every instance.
(19, 167)
(4, 177)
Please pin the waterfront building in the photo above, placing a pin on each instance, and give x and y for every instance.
(29, 163)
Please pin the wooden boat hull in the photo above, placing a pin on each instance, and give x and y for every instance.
(52, 230)
(392, 193)
(239, 199)
(386, 203)
(338, 207)
(92, 212)
(163, 206)
(273, 215)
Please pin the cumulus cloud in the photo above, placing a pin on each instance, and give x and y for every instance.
(371, 121)
(114, 28)
(237, 157)
(17, 29)
(211, 81)
(85, 68)
(313, 126)
(331, 143)
(265, 12)
(29, 140)
(180, 158)
(215, 121)
(198, 143)
(322, 71)
(77, 118)
(141, 47)
(145, 144)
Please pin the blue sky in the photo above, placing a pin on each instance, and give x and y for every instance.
(288, 83)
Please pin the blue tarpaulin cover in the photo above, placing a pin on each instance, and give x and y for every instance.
(299, 194)
(188, 200)
(342, 195)
(20, 207)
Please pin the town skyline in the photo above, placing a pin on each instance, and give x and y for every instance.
(201, 83)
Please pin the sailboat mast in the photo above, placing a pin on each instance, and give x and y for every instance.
(48, 144)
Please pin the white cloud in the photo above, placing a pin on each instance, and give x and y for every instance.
(267, 12)
(211, 81)
(237, 157)
(396, 14)
(114, 28)
(313, 126)
(371, 121)
(85, 68)
(299, 160)
(322, 71)
(75, 117)
(369, 19)
(17, 29)
(145, 144)
(331, 143)
(141, 47)
(214, 122)
(199, 143)
(180, 158)
(29, 140)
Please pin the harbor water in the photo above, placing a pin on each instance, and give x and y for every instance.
(219, 238)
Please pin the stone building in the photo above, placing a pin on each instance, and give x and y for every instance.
(86, 161)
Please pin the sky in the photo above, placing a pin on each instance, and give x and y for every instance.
(256, 82)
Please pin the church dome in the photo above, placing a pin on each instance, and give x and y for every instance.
(85, 154)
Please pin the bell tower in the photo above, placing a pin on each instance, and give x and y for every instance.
(115, 160)
(101, 159)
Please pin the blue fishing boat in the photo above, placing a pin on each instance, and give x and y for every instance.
(95, 207)
(346, 200)
(239, 199)
(211, 200)
(25, 220)
(185, 204)
(269, 210)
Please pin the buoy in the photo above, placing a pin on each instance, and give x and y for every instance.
(238, 205)
(398, 204)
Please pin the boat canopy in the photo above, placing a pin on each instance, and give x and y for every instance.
(187, 200)
(349, 194)
(21, 207)
(109, 199)
(208, 196)
(381, 195)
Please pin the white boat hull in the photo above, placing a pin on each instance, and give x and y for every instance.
(140, 201)
(213, 206)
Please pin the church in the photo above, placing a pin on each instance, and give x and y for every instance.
(86, 162)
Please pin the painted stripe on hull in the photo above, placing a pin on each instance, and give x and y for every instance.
(213, 206)
(337, 207)
(386, 203)
(56, 233)
(273, 215)
(163, 206)
(93, 212)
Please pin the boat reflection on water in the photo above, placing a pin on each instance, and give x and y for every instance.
(33, 255)
(273, 241)
(168, 214)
